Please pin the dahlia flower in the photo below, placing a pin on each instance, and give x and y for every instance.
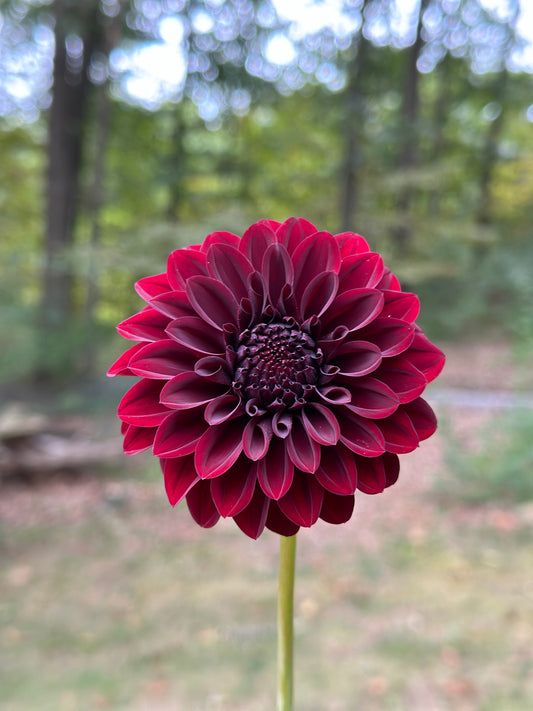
(280, 372)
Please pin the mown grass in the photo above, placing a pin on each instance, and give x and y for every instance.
(131, 607)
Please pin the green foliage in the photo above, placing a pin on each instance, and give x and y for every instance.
(500, 470)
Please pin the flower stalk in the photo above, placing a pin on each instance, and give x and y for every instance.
(287, 556)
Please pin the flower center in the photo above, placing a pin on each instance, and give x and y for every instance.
(276, 366)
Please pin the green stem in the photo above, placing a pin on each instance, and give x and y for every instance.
(287, 556)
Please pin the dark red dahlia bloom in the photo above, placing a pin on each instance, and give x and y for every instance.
(280, 372)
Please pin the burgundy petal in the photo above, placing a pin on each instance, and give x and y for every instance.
(138, 439)
(252, 519)
(256, 438)
(337, 509)
(422, 417)
(371, 475)
(318, 294)
(147, 325)
(188, 390)
(399, 433)
(277, 271)
(391, 335)
(425, 356)
(192, 332)
(162, 360)
(233, 491)
(400, 375)
(221, 237)
(120, 366)
(360, 435)
(179, 476)
(279, 523)
(140, 405)
(392, 468)
(255, 242)
(179, 434)
(302, 449)
(321, 424)
(389, 281)
(302, 503)
(400, 304)
(334, 394)
(215, 368)
(357, 358)
(174, 304)
(275, 470)
(351, 243)
(151, 286)
(183, 264)
(212, 300)
(293, 231)
(201, 505)
(231, 267)
(222, 408)
(372, 398)
(353, 309)
(360, 271)
(337, 471)
(316, 254)
(282, 424)
(219, 448)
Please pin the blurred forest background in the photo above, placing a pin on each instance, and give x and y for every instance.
(129, 128)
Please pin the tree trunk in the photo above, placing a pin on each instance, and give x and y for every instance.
(354, 122)
(409, 157)
(65, 139)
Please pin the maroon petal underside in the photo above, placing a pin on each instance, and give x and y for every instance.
(391, 335)
(400, 304)
(372, 399)
(194, 333)
(151, 286)
(222, 408)
(162, 360)
(255, 242)
(302, 503)
(231, 267)
(360, 435)
(188, 390)
(233, 491)
(316, 254)
(212, 301)
(275, 470)
(371, 476)
(353, 309)
(357, 358)
(399, 433)
(138, 439)
(201, 505)
(219, 448)
(293, 231)
(321, 424)
(179, 476)
(402, 377)
(179, 434)
(174, 304)
(360, 271)
(337, 471)
(279, 523)
(252, 519)
(301, 448)
(422, 417)
(140, 405)
(256, 438)
(350, 243)
(120, 366)
(277, 271)
(425, 356)
(183, 264)
(147, 325)
(318, 294)
(337, 509)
